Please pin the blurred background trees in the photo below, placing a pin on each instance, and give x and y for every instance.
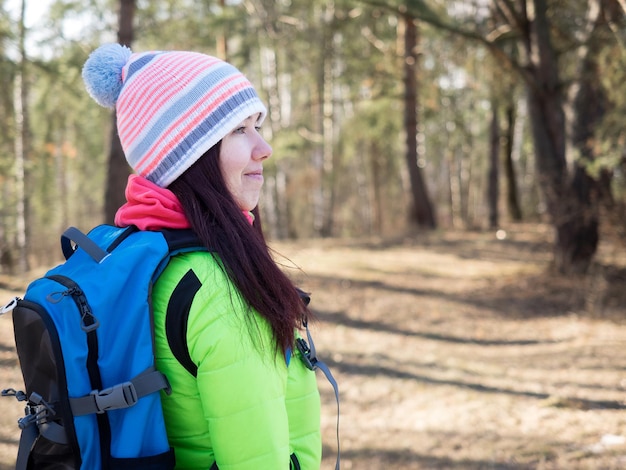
(386, 117)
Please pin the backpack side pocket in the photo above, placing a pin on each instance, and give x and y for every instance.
(43, 369)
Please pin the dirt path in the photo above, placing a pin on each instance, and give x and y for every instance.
(454, 351)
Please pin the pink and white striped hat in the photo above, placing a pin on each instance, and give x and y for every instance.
(171, 106)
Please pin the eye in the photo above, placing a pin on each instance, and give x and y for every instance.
(258, 128)
(240, 130)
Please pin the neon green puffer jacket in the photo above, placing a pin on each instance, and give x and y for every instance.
(247, 409)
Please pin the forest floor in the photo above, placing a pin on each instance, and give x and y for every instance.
(452, 350)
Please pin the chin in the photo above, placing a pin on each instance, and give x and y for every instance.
(249, 205)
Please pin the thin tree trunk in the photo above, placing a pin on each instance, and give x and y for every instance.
(61, 180)
(328, 124)
(272, 211)
(118, 169)
(275, 205)
(464, 168)
(270, 224)
(282, 204)
(363, 189)
(512, 195)
(452, 190)
(222, 41)
(422, 211)
(376, 165)
(21, 148)
(494, 168)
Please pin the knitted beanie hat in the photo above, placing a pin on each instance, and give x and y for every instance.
(171, 106)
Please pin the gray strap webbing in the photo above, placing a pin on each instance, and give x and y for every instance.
(123, 395)
(53, 432)
(317, 364)
(72, 234)
(27, 440)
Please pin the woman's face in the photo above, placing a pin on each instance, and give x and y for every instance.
(242, 153)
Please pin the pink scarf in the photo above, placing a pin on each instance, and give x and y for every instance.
(151, 207)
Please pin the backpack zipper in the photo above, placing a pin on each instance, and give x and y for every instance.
(88, 321)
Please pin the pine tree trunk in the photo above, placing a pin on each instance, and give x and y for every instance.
(328, 124)
(571, 213)
(422, 211)
(512, 196)
(278, 210)
(118, 169)
(221, 39)
(590, 104)
(21, 148)
(493, 173)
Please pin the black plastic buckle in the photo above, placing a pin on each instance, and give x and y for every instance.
(37, 410)
(305, 353)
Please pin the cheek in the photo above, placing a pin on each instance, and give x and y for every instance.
(228, 166)
(232, 161)
(232, 175)
(230, 178)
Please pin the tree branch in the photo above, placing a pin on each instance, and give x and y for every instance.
(419, 10)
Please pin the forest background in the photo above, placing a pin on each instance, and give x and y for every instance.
(450, 175)
(384, 116)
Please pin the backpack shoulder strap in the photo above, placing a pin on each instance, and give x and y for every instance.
(179, 304)
(182, 240)
(177, 316)
(178, 241)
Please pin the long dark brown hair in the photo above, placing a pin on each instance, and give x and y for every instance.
(242, 249)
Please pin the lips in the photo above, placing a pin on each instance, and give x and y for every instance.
(256, 176)
(255, 173)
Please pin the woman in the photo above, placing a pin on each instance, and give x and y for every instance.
(190, 128)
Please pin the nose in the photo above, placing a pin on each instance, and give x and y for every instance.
(262, 150)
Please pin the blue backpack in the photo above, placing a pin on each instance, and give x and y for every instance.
(85, 342)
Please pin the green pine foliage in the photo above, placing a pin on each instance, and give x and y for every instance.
(331, 73)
